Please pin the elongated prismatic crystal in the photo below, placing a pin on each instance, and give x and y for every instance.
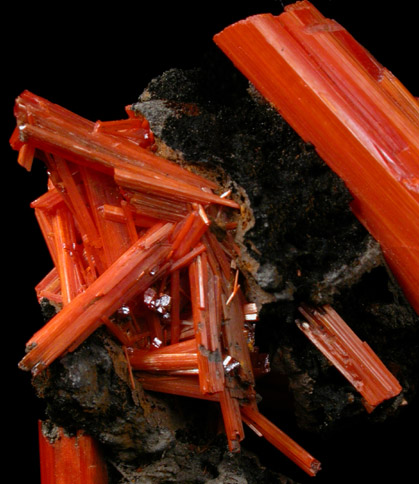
(351, 356)
(362, 121)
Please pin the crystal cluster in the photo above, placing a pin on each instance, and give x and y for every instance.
(136, 245)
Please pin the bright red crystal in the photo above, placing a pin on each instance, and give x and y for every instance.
(262, 426)
(353, 357)
(361, 120)
(71, 460)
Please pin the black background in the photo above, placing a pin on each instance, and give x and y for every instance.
(94, 59)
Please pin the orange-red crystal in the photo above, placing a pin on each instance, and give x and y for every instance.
(351, 356)
(71, 459)
(362, 121)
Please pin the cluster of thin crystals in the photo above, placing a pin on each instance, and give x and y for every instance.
(133, 248)
(351, 356)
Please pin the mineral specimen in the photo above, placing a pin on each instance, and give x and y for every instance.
(147, 249)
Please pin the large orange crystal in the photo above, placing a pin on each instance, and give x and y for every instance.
(360, 118)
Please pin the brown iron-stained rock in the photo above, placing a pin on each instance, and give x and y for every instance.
(90, 389)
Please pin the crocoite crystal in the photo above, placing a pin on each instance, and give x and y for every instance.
(351, 356)
(70, 459)
(360, 118)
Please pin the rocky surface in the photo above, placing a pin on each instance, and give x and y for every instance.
(90, 390)
(300, 241)
(147, 438)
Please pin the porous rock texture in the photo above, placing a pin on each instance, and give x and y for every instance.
(299, 242)
(89, 389)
